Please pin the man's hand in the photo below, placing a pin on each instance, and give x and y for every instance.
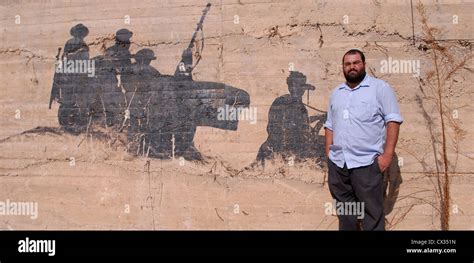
(384, 161)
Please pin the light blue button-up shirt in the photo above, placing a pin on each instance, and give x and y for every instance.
(358, 118)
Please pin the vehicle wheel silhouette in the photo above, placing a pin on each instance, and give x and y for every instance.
(68, 117)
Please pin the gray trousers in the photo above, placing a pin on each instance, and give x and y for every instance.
(358, 185)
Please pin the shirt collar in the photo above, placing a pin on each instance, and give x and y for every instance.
(363, 83)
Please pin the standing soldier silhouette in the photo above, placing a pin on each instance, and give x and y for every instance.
(71, 89)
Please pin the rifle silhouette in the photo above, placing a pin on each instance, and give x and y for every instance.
(185, 66)
(55, 92)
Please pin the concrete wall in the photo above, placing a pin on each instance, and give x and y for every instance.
(250, 45)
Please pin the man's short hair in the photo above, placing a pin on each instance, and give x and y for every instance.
(353, 52)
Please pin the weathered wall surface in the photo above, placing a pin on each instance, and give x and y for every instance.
(81, 182)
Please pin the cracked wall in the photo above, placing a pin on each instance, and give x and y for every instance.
(248, 44)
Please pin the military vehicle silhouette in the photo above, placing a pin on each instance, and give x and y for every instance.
(159, 113)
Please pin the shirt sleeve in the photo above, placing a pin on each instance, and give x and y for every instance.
(389, 104)
(328, 123)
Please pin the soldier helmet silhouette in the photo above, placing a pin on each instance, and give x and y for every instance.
(145, 54)
(79, 30)
(298, 80)
(123, 35)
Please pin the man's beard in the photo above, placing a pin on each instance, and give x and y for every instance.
(355, 78)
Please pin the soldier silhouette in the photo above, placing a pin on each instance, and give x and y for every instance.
(70, 87)
(171, 123)
(185, 66)
(76, 47)
(145, 103)
(116, 62)
(289, 130)
(119, 53)
(183, 121)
